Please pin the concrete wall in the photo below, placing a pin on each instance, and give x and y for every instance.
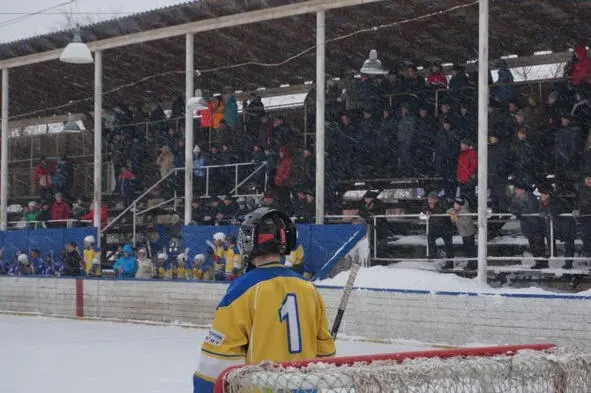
(434, 317)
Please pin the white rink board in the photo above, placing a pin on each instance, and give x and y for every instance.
(451, 318)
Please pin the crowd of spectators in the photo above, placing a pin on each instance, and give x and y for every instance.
(387, 126)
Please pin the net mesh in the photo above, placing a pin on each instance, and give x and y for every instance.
(526, 371)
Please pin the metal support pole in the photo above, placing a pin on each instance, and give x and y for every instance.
(98, 142)
(236, 180)
(189, 87)
(134, 212)
(482, 138)
(320, 65)
(207, 182)
(551, 237)
(4, 154)
(427, 232)
(375, 238)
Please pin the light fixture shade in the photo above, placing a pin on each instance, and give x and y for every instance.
(372, 66)
(76, 52)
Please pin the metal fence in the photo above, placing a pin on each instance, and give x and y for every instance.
(425, 219)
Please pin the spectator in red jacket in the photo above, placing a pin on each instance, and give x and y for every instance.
(466, 170)
(436, 78)
(581, 69)
(283, 176)
(60, 210)
(104, 215)
(44, 175)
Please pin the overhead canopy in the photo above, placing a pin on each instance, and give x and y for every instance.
(154, 71)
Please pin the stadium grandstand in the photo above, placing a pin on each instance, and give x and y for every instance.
(401, 132)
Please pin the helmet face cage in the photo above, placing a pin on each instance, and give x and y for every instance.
(284, 233)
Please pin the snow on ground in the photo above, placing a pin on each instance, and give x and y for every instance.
(409, 275)
(52, 355)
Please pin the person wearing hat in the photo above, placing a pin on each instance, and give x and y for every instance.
(465, 225)
(440, 226)
(498, 171)
(568, 150)
(406, 134)
(424, 140)
(524, 206)
(447, 150)
(526, 158)
(564, 227)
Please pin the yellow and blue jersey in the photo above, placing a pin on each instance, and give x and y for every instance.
(182, 272)
(269, 314)
(166, 271)
(232, 256)
(90, 266)
(203, 271)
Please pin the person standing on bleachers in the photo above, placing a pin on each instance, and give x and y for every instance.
(564, 227)
(440, 226)
(60, 211)
(524, 205)
(465, 225)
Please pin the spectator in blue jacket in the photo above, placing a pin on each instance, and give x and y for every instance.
(37, 262)
(126, 265)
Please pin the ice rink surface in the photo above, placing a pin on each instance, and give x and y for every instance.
(49, 355)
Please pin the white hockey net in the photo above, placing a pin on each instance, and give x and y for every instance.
(524, 369)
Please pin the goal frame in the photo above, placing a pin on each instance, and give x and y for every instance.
(489, 351)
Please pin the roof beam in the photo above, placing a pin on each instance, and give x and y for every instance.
(233, 20)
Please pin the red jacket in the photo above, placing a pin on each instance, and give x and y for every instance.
(284, 169)
(44, 174)
(207, 116)
(437, 79)
(467, 165)
(60, 211)
(104, 215)
(581, 71)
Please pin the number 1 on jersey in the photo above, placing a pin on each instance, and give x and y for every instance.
(288, 313)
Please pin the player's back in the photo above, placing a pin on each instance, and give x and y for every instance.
(286, 315)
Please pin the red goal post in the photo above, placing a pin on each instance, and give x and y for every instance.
(536, 368)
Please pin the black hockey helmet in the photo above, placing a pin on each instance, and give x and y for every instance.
(266, 232)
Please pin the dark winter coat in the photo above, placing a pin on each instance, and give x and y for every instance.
(447, 149)
(527, 204)
(459, 81)
(72, 263)
(525, 161)
(568, 147)
(439, 224)
(406, 131)
(425, 144)
(564, 226)
(504, 93)
(499, 163)
(584, 200)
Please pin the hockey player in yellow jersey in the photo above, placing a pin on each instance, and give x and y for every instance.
(233, 261)
(92, 257)
(270, 313)
(182, 272)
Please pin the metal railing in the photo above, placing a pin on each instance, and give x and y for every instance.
(43, 224)
(133, 207)
(508, 216)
